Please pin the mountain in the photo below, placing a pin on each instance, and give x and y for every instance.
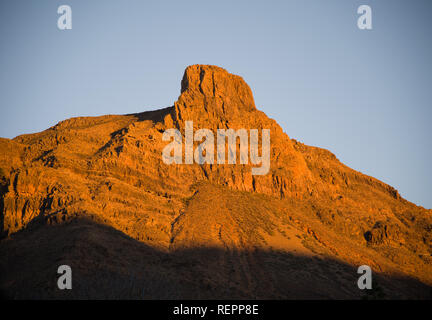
(94, 193)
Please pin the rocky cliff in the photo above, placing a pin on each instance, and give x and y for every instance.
(95, 191)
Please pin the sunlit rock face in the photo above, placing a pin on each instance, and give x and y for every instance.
(93, 183)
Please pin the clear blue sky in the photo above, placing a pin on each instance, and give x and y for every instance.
(364, 95)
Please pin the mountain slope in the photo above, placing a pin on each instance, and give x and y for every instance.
(106, 175)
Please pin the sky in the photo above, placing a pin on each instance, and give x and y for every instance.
(366, 95)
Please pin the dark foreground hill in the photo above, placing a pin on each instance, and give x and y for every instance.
(94, 193)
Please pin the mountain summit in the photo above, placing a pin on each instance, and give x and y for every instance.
(94, 193)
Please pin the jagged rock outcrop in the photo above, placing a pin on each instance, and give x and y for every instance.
(110, 169)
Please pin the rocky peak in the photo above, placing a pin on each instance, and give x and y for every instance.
(216, 82)
(210, 95)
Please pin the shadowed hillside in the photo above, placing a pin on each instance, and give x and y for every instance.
(107, 264)
(94, 193)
